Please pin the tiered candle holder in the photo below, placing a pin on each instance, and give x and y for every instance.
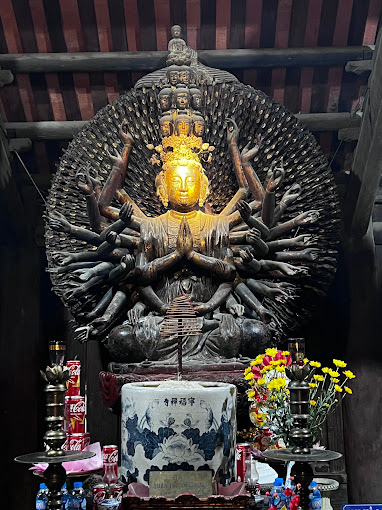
(55, 474)
(300, 436)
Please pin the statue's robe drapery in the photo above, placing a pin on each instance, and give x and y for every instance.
(210, 237)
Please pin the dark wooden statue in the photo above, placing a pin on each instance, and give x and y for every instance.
(191, 184)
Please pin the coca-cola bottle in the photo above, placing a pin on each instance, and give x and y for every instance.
(109, 479)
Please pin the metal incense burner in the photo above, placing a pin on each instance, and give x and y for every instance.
(300, 436)
(55, 474)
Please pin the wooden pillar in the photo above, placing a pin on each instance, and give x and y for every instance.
(22, 353)
(363, 438)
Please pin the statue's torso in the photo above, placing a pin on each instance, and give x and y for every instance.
(210, 237)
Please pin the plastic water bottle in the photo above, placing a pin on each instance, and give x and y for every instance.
(277, 493)
(77, 498)
(42, 497)
(65, 497)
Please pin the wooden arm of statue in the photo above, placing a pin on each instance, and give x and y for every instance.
(245, 211)
(305, 218)
(87, 185)
(107, 242)
(247, 296)
(149, 271)
(276, 176)
(100, 324)
(59, 223)
(253, 180)
(152, 300)
(246, 262)
(219, 297)
(117, 175)
(301, 241)
(288, 198)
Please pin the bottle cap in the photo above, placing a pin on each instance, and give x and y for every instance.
(77, 484)
(313, 484)
(43, 486)
(278, 482)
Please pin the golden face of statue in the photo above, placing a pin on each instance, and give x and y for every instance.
(183, 185)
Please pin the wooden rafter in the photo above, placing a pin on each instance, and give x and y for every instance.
(151, 60)
(66, 130)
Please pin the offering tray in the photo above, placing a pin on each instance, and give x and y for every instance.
(315, 455)
(67, 456)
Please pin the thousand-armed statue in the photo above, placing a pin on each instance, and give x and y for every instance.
(191, 184)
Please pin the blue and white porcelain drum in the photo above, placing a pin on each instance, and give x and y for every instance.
(178, 425)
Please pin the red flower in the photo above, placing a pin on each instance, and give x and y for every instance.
(256, 372)
(288, 492)
(266, 360)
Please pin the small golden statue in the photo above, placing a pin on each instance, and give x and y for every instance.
(237, 257)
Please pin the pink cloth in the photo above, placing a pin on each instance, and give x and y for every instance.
(78, 466)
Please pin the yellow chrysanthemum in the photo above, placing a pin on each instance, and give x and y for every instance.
(247, 370)
(326, 370)
(319, 378)
(282, 361)
(338, 388)
(253, 363)
(348, 390)
(315, 364)
(335, 380)
(249, 376)
(271, 352)
(251, 394)
(261, 381)
(274, 363)
(280, 369)
(333, 373)
(276, 384)
(313, 402)
(285, 353)
(312, 385)
(339, 363)
(305, 360)
(349, 374)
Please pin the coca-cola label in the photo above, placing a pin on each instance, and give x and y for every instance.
(110, 457)
(77, 407)
(75, 369)
(76, 442)
(99, 494)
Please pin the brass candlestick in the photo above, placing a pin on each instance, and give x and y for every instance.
(300, 436)
(55, 474)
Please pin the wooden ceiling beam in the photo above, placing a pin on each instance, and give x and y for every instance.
(152, 60)
(66, 130)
